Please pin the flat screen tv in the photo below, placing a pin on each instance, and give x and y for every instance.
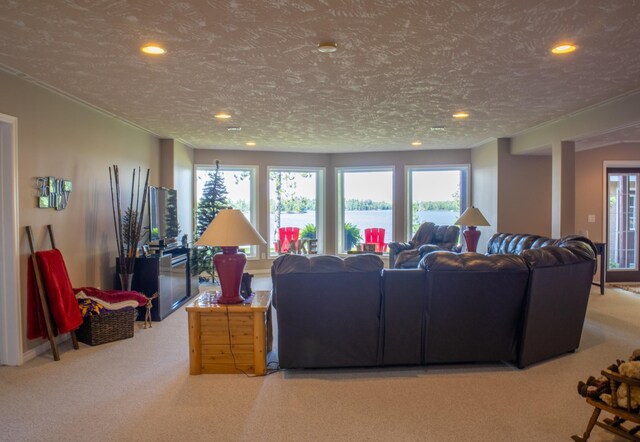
(163, 215)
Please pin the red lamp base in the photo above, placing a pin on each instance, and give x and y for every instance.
(471, 237)
(230, 266)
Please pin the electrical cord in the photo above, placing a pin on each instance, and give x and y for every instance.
(235, 364)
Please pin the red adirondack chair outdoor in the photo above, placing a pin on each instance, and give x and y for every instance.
(375, 235)
(286, 235)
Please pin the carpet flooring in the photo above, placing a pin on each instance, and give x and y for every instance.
(140, 389)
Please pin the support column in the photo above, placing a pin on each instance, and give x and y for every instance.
(563, 188)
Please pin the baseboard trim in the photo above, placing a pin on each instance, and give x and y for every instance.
(43, 348)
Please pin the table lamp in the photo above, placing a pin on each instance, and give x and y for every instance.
(471, 218)
(228, 230)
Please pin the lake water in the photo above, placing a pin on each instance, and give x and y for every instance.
(368, 218)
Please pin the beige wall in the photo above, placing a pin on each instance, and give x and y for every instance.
(524, 196)
(397, 160)
(183, 182)
(176, 172)
(590, 184)
(512, 191)
(484, 182)
(61, 138)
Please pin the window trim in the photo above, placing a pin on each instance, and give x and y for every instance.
(339, 196)
(408, 183)
(320, 203)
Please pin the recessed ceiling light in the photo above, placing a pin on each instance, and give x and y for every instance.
(416, 143)
(564, 48)
(327, 46)
(234, 128)
(461, 115)
(250, 143)
(153, 49)
(222, 116)
(437, 128)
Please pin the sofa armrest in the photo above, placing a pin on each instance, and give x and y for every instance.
(428, 248)
(400, 246)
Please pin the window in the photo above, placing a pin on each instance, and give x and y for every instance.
(240, 185)
(623, 210)
(296, 200)
(435, 194)
(365, 200)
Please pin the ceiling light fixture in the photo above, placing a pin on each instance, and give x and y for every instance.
(564, 48)
(438, 128)
(222, 116)
(416, 143)
(250, 143)
(234, 128)
(327, 47)
(461, 115)
(153, 49)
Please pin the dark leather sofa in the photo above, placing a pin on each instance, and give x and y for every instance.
(523, 302)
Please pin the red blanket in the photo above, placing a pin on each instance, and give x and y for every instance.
(113, 296)
(60, 297)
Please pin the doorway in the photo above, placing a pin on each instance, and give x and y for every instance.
(10, 324)
(622, 224)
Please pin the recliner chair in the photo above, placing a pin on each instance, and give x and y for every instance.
(428, 238)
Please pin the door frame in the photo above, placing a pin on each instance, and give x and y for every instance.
(10, 314)
(606, 165)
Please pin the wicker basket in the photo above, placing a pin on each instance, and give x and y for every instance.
(100, 329)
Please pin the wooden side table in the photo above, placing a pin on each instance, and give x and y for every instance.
(229, 338)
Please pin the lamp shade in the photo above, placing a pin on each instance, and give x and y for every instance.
(472, 217)
(230, 228)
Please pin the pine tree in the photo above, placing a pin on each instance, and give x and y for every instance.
(214, 198)
(171, 216)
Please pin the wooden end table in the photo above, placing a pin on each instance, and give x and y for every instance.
(229, 338)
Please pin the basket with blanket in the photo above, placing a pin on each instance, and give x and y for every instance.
(107, 315)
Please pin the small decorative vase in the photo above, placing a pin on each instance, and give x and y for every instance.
(125, 281)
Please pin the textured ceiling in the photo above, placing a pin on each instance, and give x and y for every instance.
(401, 67)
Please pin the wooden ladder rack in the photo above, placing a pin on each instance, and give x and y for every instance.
(42, 294)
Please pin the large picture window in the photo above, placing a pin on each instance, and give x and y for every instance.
(436, 194)
(240, 186)
(296, 203)
(365, 201)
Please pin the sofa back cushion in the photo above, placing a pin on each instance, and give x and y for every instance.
(474, 306)
(328, 310)
(515, 243)
(403, 316)
(557, 300)
(446, 237)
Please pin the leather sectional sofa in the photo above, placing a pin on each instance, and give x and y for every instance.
(523, 302)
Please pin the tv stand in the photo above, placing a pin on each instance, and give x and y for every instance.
(172, 275)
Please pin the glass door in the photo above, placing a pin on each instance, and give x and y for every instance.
(622, 217)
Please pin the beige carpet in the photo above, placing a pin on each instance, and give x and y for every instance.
(140, 389)
(633, 287)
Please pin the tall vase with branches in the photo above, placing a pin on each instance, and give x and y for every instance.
(128, 224)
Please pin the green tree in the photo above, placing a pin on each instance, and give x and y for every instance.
(171, 216)
(285, 187)
(214, 198)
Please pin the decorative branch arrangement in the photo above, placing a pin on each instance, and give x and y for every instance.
(128, 225)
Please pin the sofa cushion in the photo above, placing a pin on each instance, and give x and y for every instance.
(473, 308)
(328, 310)
(514, 243)
(326, 264)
